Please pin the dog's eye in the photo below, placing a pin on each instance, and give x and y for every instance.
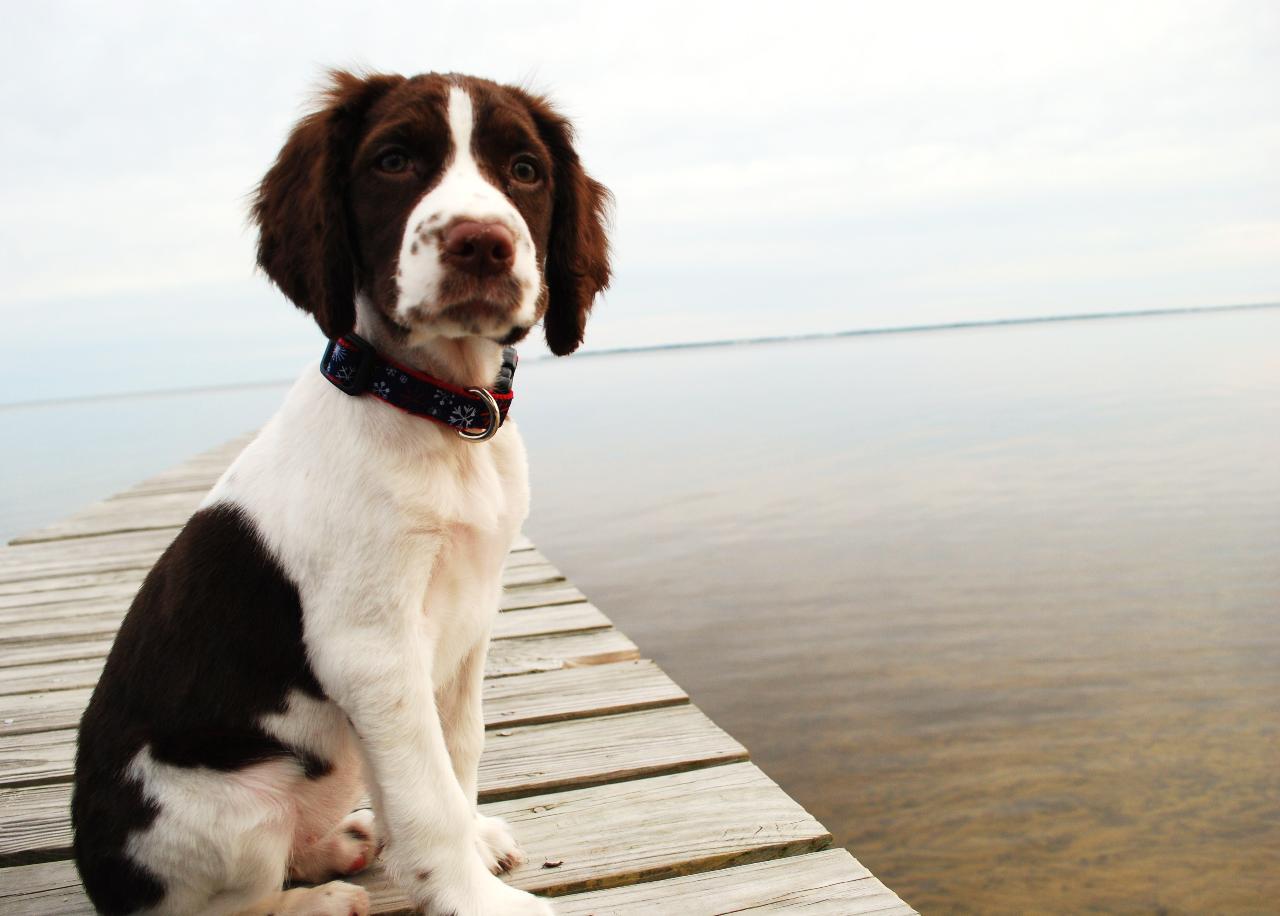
(393, 162)
(525, 170)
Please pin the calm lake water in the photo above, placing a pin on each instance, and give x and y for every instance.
(1000, 606)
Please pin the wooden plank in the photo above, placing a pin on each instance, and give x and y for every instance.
(31, 760)
(90, 636)
(571, 693)
(549, 621)
(38, 890)
(20, 563)
(57, 676)
(543, 595)
(72, 571)
(506, 657)
(643, 830)
(827, 883)
(89, 599)
(65, 588)
(41, 567)
(146, 508)
(605, 836)
(153, 512)
(518, 761)
(116, 591)
(522, 699)
(197, 473)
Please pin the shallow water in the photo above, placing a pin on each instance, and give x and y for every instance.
(1000, 606)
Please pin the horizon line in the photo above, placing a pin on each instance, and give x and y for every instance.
(701, 344)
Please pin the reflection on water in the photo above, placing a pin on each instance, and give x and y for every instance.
(1001, 607)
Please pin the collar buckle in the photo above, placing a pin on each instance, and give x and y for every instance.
(495, 417)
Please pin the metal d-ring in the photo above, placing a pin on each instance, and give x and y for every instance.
(495, 418)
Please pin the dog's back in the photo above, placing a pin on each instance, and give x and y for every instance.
(213, 641)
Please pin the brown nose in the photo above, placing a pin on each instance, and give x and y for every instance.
(483, 249)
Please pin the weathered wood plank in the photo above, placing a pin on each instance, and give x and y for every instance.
(57, 676)
(506, 657)
(23, 562)
(199, 472)
(522, 699)
(72, 564)
(549, 621)
(605, 836)
(20, 563)
(81, 599)
(38, 759)
(827, 883)
(115, 592)
(65, 588)
(646, 829)
(39, 890)
(573, 693)
(90, 636)
(518, 761)
(153, 512)
(515, 598)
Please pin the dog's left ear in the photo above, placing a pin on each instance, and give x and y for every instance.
(304, 240)
(577, 263)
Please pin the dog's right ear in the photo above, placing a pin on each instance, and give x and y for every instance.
(304, 240)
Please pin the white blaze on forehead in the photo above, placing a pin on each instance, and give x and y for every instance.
(461, 121)
(462, 194)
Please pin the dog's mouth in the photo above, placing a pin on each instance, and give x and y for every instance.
(478, 311)
(491, 317)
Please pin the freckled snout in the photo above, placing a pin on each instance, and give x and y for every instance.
(481, 249)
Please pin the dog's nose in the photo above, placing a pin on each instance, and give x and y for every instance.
(478, 248)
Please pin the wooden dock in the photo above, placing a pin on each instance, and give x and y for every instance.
(626, 798)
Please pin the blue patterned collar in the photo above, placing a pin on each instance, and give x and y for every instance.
(355, 368)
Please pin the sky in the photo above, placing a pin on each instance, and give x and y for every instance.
(777, 168)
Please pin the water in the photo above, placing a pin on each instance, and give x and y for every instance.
(1000, 606)
(59, 457)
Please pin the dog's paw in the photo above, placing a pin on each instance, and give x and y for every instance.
(350, 847)
(337, 898)
(497, 847)
(488, 898)
(356, 842)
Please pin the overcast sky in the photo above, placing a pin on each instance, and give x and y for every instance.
(783, 167)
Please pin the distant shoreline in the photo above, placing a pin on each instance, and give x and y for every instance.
(943, 326)
(699, 345)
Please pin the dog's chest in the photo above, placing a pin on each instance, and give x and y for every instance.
(463, 594)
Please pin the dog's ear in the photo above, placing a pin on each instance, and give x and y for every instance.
(304, 238)
(577, 262)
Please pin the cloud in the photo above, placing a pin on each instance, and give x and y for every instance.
(935, 156)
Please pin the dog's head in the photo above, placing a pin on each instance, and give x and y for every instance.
(453, 206)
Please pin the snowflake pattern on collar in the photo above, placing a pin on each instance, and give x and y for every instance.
(356, 368)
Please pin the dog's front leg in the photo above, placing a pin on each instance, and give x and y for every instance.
(380, 675)
(462, 716)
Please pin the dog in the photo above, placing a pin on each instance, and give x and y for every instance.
(319, 627)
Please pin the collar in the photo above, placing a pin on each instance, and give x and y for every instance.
(355, 368)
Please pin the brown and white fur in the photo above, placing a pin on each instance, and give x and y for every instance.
(319, 627)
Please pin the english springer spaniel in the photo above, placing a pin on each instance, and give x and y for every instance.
(319, 627)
